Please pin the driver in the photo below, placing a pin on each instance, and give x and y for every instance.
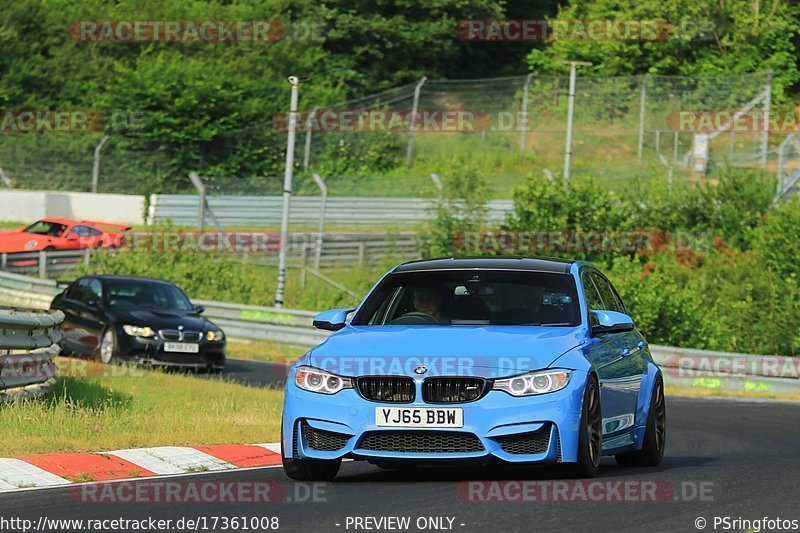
(429, 301)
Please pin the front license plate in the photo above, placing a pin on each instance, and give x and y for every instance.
(182, 347)
(419, 417)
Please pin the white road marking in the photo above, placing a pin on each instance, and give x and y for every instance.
(274, 447)
(18, 474)
(165, 460)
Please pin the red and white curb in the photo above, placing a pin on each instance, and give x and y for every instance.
(50, 470)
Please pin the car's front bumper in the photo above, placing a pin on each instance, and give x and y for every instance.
(535, 429)
(151, 352)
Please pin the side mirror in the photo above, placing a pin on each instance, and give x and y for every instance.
(332, 320)
(199, 308)
(610, 322)
(73, 237)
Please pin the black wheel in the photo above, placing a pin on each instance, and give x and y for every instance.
(590, 438)
(309, 469)
(109, 349)
(655, 434)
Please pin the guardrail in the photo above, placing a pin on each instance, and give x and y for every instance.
(335, 250)
(681, 366)
(31, 373)
(229, 210)
(728, 371)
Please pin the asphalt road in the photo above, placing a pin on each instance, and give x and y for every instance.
(724, 458)
(255, 373)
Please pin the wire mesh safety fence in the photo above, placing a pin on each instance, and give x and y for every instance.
(387, 144)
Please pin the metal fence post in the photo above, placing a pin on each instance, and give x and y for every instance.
(287, 192)
(43, 264)
(524, 121)
(321, 224)
(201, 192)
(767, 106)
(4, 178)
(307, 149)
(642, 111)
(96, 165)
(675, 147)
(413, 123)
(571, 111)
(438, 183)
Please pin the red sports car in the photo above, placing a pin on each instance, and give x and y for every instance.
(62, 234)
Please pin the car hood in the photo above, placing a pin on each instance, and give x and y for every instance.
(15, 241)
(163, 319)
(484, 351)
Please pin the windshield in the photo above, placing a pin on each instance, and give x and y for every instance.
(146, 295)
(469, 297)
(46, 228)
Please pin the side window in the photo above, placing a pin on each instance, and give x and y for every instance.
(607, 293)
(84, 231)
(593, 300)
(85, 289)
(95, 289)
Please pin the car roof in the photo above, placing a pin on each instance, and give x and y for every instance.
(65, 221)
(533, 264)
(110, 277)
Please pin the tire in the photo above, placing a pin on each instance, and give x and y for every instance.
(652, 452)
(309, 469)
(590, 437)
(108, 349)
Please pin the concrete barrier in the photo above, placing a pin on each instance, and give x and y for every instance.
(27, 206)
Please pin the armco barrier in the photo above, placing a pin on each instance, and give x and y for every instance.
(25, 373)
(681, 366)
(182, 209)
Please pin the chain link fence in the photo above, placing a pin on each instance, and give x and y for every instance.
(388, 144)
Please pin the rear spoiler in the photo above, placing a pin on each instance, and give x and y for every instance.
(63, 282)
(121, 227)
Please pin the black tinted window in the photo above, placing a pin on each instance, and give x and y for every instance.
(486, 297)
(593, 299)
(85, 289)
(610, 299)
(146, 295)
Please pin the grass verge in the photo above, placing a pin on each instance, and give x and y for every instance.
(703, 392)
(274, 352)
(95, 408)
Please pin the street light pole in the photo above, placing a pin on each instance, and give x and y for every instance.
(287, 192)
(568, 150)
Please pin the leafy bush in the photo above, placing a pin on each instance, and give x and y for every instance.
(462, 208)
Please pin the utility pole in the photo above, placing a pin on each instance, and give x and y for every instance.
(568, 150)
(287, 192)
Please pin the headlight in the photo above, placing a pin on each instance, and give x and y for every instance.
(534, 383)
(314, 380)
(138, 331)
(215, 335)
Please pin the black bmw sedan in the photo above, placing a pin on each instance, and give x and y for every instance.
(139, 320)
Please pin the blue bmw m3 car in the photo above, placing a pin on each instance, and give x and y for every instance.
(520, 361)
